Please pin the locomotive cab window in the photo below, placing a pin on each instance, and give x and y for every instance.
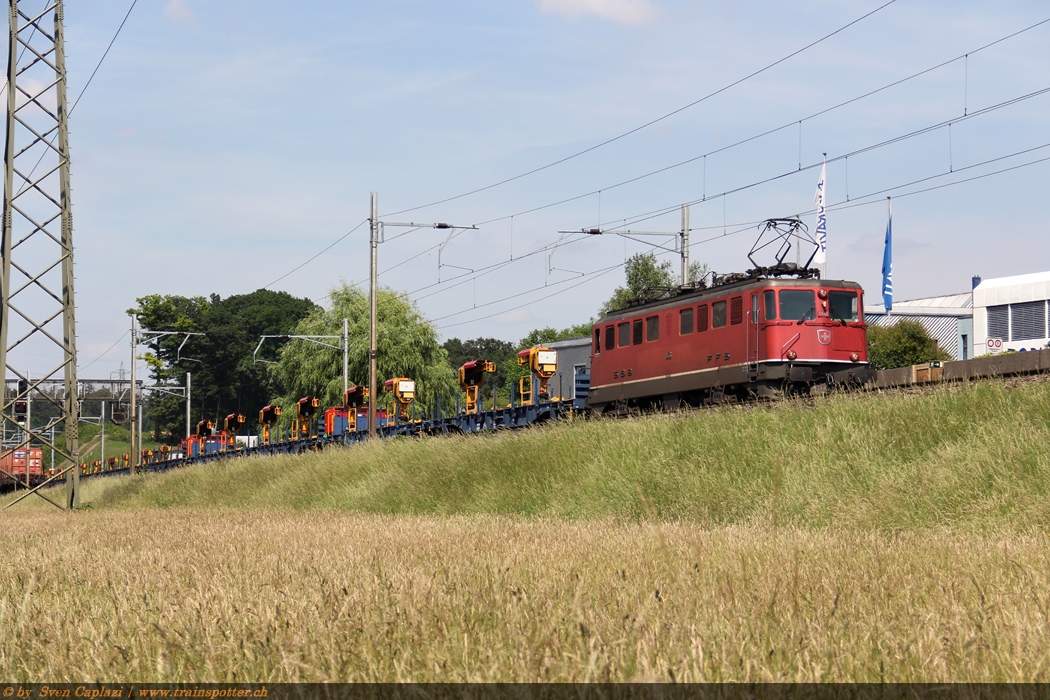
(636, 332)
(685, 321)
(754, 308)
(610, 337)
(701, 318)
(842, 306)
(718, 314)
(797, 304)
(769, 299)
(623, 332)
(652, 328)
(597, 341)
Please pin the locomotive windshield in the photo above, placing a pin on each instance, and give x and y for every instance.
(796, 304)
(842, 306)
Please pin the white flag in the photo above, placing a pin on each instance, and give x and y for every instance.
(820, 199)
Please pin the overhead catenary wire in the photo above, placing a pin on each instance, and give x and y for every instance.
(649, 123)
(638, 218)
(319, 254)
(767, 132)
(839, 206)
(722, 149)
(624, 223)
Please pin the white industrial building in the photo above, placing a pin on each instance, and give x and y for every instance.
(1009, 313)
(947, 319)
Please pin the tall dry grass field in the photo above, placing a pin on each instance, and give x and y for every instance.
(205, 595)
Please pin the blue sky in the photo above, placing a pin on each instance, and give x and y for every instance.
(224, 143)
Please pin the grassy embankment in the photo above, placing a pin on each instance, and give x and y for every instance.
(861, 538)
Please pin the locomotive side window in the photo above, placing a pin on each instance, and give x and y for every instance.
(769, 298)
(610, 337)
(842, 306)
(701, 318)
(736, 310)
(718, 314)
(597, 341)
(797, 304)
(754, 308)
(636, 332)
(652, 328)
(685, 321)
(624, 332)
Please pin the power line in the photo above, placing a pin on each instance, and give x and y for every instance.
(104, 54)
(897, 139)
(768, 132)
(80, 369)
(314, 257)
(81, 95)
(833, 207)
(649, 123)
(666, 210)
(597, 274)
(716, 151)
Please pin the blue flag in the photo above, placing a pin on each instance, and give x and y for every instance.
(887, 262)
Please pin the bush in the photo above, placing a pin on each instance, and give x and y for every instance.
(901, 345)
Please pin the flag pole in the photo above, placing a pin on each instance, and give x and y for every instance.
(820, 199)
(887, 260)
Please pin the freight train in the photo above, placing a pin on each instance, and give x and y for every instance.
(768, 332)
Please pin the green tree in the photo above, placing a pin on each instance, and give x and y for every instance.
(226, 379)
(645, 277)
(501, 352)
(407, 347)
(901, 345)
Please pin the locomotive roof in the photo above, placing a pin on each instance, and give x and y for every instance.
(685, 295)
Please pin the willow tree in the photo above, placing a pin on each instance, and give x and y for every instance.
(407, 347)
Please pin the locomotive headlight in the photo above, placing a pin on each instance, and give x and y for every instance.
(855, 357)
(823, 294)
(791, 355)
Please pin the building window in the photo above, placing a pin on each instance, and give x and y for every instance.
(685, 321)
(701, 318)
(610, 337)
(769, 298)
(736, 310)
(999, 322)
(1028, 320)
(636, 332)
(652, 328)
(624, 332)
(718, 314)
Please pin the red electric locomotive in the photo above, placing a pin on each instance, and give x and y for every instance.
(771, 331)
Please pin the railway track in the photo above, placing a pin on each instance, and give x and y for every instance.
(509, 418)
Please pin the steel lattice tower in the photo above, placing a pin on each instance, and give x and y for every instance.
(37, 319)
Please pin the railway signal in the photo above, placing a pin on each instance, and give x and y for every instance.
(404, 391)
(471, 374)
(267, 419)
(542, 364)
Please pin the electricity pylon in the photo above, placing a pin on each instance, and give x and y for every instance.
(37, 318)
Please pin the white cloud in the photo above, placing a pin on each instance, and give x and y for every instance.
(620, 11)
(179, 11)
